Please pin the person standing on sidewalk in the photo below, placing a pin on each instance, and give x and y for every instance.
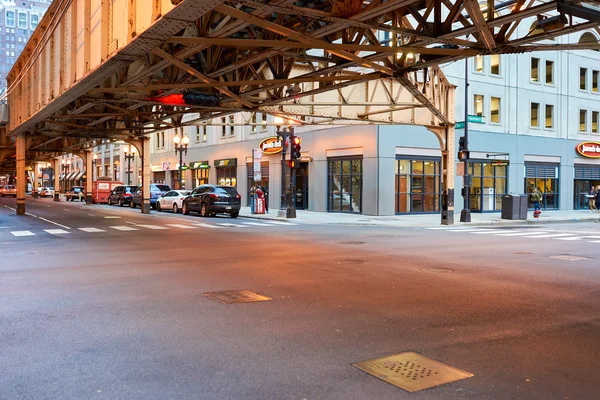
(592, 199)
(597, 198)
(266, 194)
(536, 197)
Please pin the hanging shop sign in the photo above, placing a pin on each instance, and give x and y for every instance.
(588, 149)
(228, 162)
(199, 165)
(305, 159)
(500, 163)
(166, 165)
(271, 145)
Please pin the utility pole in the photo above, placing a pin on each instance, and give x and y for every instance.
(465, 214)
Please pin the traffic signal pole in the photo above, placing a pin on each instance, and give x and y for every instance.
(465, 214)
(291, 210)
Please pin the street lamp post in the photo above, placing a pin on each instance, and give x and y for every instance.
(94, 160)
(129, 155)
(66, 165)
(181, 145)
(286, 135)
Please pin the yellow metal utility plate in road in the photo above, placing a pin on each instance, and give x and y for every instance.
(411, 371)
(236, 296)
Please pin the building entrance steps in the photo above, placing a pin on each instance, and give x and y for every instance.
(423, 220)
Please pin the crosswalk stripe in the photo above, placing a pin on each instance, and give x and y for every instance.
(22, 233)
(468, 230)
(255, 224)
(551, 235)
(156, 227)
(56, 231)
(281, 223)
(488, 232)
(578, 237)
(227, 224)
(91, 230)
(208, 226)
(530, 233)
(182, 226)
(124, 228)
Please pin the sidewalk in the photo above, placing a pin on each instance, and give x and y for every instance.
(427, 220)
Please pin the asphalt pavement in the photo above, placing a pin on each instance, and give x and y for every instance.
(107, 303)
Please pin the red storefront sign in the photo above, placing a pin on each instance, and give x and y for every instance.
(588, 149)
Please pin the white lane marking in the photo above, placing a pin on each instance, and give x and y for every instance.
(256, 224)
(578, 238)
(281, 223)
(551, 235)
(152, 226)
(23, 233)
(31, 215)
(48, 206)
(66, 209)
(91, 230)
(55, 223)
(232, 225)
(112, 217)
(124, 228)
(469, 230)
(92, 215)
(489, 232)
(56, 231)
(181, 226)
(530, 233)
(208, 226)
(439, 229)
(14, 209)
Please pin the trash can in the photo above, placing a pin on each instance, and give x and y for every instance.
(259, 205)
(510, 206)
(524, 203)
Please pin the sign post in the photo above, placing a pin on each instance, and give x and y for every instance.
(256, 158)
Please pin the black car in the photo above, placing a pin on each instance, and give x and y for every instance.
(121, 195)
(209, 200)
(76, 192)
(156, 190)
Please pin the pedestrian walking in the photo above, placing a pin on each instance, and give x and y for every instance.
(592, 199)
(536, 197)
(597, 197)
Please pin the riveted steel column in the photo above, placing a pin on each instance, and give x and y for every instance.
(21, 176)
(36, 177)
(57, 172)
(89, 173)
(145, 175)
(448, 178)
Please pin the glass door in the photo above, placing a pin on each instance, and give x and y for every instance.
(302, 187)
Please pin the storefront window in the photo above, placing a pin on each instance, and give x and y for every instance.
(227, 176)
(417, 185)
(345, 185)
(545, 178)
(264, 181)
(200, 177)
(489, 185)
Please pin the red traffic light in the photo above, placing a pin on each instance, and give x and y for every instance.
(297, 141)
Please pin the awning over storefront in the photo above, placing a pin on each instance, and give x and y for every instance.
(70, 176)
(79, 175)
(61, 177)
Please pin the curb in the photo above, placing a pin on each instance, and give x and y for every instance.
(266, 218)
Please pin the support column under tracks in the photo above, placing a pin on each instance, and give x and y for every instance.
(448, 178)
(57, 172)
(145, 153)
(89, 171)
(21, 175)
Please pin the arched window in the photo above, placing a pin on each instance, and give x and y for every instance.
(588, 37)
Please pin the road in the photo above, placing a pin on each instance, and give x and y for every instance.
(106, 303)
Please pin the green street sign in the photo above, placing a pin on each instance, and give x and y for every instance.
(476, 119)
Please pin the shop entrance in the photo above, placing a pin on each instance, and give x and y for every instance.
(301, 197)
(582, 189)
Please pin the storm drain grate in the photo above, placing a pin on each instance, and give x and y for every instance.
(566, 257)
(411, 371)
(350, 261)
(351, 242)
(236, 296)
(436, 270)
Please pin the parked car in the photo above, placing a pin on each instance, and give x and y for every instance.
(76, 192)
(172, 200)
(47, 192)
(9, 190)
(156, 190)
(208, 200)
(121, 195)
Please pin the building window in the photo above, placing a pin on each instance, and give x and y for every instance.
(418, 185)
(478, 104)
(549, 124)
(264, 179)
(162, 140)
(253, 123)
(197, 133)
(495, 64)
(204, 134)
(583, 78)
(595, 81)
(549, 72)
(223, 127)
(22, 20)
(35, 20)
(200, 176)
(479, 64)
(10, 18)
(158, 140)
(545, 178)
(489, 185)
(344, 189)
(535, 69)
(595, 115)
(232, 127)
(535, 115)
(583, 121)
(495, 110)
(227, 176)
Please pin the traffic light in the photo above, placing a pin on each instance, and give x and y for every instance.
(296, 148)
(461, 143)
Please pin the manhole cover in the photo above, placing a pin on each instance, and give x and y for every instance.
(236, 296)
(567, 257)
(436, 270)
(351, 242)
(350, 261)
(523, 252)
(411, 371)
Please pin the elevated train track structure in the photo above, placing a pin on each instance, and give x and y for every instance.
(123, 69)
